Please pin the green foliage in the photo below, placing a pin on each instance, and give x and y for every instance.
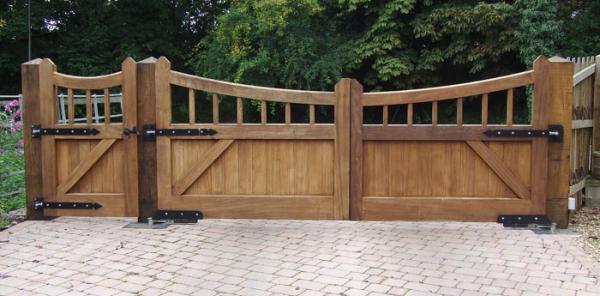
(279, 43)
(539, 29)
(408, 43)
(92, 37)
(12, 175)
(581, 28)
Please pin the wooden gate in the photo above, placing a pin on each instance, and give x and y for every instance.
(82, 162)
(245, 170)
(194, 157)
(456, 171)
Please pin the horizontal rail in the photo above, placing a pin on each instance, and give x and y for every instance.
(583, 74)
(252, 92)
(437, 133)
(91, 82)
(448, 92)
(583, 123)
(257, 131)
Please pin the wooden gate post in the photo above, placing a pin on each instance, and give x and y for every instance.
(560, 105)
(348, 148)
(36, 78)
(146, 114)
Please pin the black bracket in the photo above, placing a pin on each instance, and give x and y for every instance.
(40, 204)
(554, 133)
(37, 131)
(178, 216)
(523, 220)
(150, 132)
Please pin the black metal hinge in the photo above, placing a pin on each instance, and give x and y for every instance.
(178, 216)
(37, 131)
(150, 132)
(554, 133)
(40, 204)
(523, 220)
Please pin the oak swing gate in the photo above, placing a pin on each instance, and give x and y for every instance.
(344, 169)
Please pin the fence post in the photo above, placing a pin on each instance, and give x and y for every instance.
(348, 147)
(560, 105)
(146, 114)
(35, 77)
(596, 104)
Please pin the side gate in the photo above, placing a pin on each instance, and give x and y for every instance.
(81, 163)
(195, 154)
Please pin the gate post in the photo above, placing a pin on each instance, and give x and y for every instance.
(146, 114)
(36, 77)
(348, 149)
(560, 105)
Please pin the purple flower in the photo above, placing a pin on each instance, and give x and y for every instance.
(7, 107)
(18, 112)
(14, 103)
(21, 142)
(18, 124)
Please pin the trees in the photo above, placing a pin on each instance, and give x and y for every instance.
(282, 43)
(92, 37)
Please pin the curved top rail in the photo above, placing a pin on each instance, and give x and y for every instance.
(252, 92)
(89, 82)
(448, 92)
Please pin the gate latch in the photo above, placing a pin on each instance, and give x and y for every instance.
(37, 131)
(150, 132)
(554, 133)
(40, 204)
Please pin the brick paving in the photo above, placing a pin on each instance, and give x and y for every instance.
(97, 256)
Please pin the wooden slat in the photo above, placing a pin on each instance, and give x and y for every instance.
(311, 114)
(192, 106)
(509, 106)
(583, 74)
(579, 124)
(448, 92)
(263, 112)
(459, 111)
(93, 82)
(130, 143)
(215, 108)
(240, 111)
(426, 208)
(596, 105)
(198, 169)
(385, 119)
(70, 107)
(434, 113)
(252, 92)
(288, 113)
(85, 165)
(106, 106)
(88, 107)
(484, 109)
(409, 114)
(497, 165)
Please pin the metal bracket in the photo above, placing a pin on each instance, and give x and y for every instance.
(523, 220)
(554, 133)
(150, 132)
(40, 204)
(37, 131)
(178, 216)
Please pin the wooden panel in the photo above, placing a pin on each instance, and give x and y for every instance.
(441, 168)
(96, 82)
(257, 167)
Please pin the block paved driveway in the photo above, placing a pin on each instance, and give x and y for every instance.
(97, 256)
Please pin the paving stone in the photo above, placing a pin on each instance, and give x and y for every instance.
(308, 258)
